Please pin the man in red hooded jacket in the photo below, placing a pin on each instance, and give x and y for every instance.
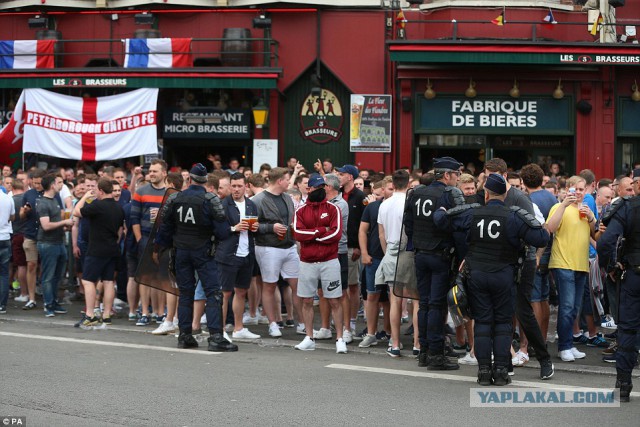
(318, 227)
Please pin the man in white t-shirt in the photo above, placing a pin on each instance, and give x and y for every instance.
(7, 212)
(389, 228)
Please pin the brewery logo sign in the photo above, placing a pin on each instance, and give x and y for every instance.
(321, 118)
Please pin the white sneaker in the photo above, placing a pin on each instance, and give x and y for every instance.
(300, 329)
(203, 319)
(274, 330)
(347, 336)
(307, 344)
(22, 298)
(520, 359)
(341, 346)
(468, 359)
(567, 356)
(577, 354)
(262, 320)
(245, 334)
(226, 336)
(607, 322)
(164, 329)
(368, 341)
(248, 320)
(322, 334)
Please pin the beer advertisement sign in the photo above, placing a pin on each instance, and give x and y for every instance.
(321, 117)
(370, 123)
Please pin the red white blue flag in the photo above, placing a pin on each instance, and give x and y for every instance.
(26, 54)
(158, 53)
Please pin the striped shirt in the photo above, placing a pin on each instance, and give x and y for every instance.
(145, 199)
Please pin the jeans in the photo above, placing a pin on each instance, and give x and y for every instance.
(570, 285)
(432, 274)
(53, 259)
(5, 255)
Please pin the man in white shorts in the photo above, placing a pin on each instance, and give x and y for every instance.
(318, 228)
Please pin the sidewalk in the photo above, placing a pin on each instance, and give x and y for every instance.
(592, 364)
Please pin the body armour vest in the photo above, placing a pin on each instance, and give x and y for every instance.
(632, 245)
(193, 229)
(424, 202)
(489, 248)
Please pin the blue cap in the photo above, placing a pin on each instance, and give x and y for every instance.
(496, 184)
(316, 180)
(350, 169)
(198, 173)
(446, 163)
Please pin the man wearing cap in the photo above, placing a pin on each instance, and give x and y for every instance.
(494, 234)
(433, 256)
(354, 198)
(194, 219)
(317, 225)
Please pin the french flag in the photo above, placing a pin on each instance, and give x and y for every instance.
(158, 53)
(26, 54)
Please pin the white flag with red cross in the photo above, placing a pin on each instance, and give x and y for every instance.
(90, 129)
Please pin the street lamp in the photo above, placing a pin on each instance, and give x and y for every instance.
(260, 114)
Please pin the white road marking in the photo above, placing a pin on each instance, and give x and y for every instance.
(108, 344)
(546, 385)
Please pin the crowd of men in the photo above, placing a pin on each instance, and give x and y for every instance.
(248, 247)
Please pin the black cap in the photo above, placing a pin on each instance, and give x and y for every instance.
(496, 184)
(446, 163)
(636, 173)
(198, 173)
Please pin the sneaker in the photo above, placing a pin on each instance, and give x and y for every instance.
(248, 320)
(307, 344)
(609, 358)
(229, 327)
(347, 336)
(460, 348)
(262, 320)
(341, 346)
(362, 334)
(22, 298)
(577, 354)
(546, 369)
(404, 319)
(164, 329)
(322, 334)
(58, 309)
(582, 339)
(274, 330)
(300, 329)
(196, 331)
(3, 309)
(383, 336)
(160, 319)
(133, 317)
(393, 352)
(416, 352)
(612, 335)
(143, 321)
(521, 359)
(244, 334)
(598, 341)
(30, 305)
(611, 350)
(106, 320)
(289, 323)
(368, 341)
(567, 356)
(89, 323)
(49, 313)
(608, 322)
(468, 359)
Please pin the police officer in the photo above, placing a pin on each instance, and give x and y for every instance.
(493, 237)
(433, 252)
(193, 219)
(623, 220)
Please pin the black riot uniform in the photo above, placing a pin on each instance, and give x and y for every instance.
(623, 220)
(194, 220)
(433, 255)
(494, 235)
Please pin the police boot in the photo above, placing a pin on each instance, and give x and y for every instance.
(186, 340)
(440, 362)
(423, 358)
(501, 376)
(217, 342)
(623, 382)
(484, 375)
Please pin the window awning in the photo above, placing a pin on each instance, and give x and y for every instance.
(264, 78)
(472, 52)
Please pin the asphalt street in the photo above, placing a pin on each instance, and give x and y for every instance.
(57, 375)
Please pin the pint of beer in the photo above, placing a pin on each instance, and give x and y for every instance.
(357, 105)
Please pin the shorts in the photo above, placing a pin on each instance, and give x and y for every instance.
(276, 262)
(132, 263)
(237, 274)
(30, 250)
(344, 270)
(327, 272)
(19, 258)
(99, 268)
(83, 246)
(370, 273)
(354, 269)
(256, 270)
(541, 287)
(199, 294)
